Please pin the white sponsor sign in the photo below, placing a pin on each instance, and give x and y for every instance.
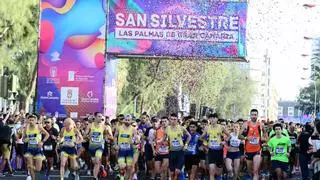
(69, 96)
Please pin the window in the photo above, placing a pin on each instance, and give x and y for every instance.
(280, 111)
(290, 111)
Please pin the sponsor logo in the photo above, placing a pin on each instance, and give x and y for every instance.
(90, 98)
(69, 96)
(74, 115)
(50, 96)
(71, 75)
(53, 71)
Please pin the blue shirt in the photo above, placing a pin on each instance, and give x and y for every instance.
(193, 144)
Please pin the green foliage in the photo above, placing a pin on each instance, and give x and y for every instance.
(306, 97)
(215, 84)
(18, 39)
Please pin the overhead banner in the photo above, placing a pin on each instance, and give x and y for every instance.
(177, 28)
(71, 57)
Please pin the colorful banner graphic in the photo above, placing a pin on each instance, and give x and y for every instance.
(177, 28)
(110, 89)
(71, 57)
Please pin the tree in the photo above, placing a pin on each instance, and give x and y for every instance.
(216, 84)
(306, 97)
(18, 45)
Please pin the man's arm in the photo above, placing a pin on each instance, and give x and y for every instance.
(224, 130)
(187, 134)
(43, 131)
(204, 133)
(108, 133)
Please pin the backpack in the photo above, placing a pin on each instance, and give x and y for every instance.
(5, 135)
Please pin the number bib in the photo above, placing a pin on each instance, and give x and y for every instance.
(125, 146)
(254, 141)
(95, 137)
(163, 149)
(192, 148)
(176, 143)
(235, 142)
(316, 167)
(279, 150)
(214, 144)
(68, 141)
(48, 147)
(293, 141)
(33, 139)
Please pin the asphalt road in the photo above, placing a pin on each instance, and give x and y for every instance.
(84, 177)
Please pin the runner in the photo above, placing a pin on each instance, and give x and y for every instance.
(124, 135)
(34, 154)
(175, 133)
(50, 145)
(191, 154)
(97, 133)
(69, 138)
(280, 147)
(266, 157)
(241, 148)
(252, 130)
(149, 138)
(161, 150)
(136, 149)
(215, 155)
(233, 154)
(203, 150)
(293, 154)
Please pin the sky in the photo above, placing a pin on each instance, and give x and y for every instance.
(278, 27)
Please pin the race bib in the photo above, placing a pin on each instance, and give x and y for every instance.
(254, 141)
(192, 148)
(279, 150)
(68, 141)
(176, 143)
(163, 149)
(95, 137)
(293, 141)
(264, 148)
(235, 142)
(316, 167)
(48, 147)
(33, 139)
(125, 146)
(214, 144)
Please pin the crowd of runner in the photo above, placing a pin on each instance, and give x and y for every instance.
(161, 148)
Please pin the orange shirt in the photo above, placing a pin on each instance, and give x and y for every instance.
(162, 147)
(254, 145)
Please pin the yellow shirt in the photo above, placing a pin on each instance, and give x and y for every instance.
(215, 137)
(175, 138)
(96, 135)
(34, 137)
(69, 138)
(125, 138)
